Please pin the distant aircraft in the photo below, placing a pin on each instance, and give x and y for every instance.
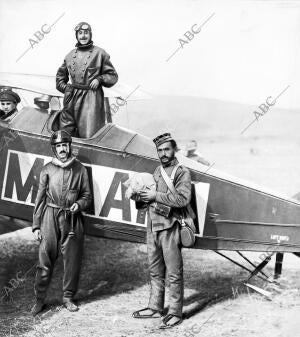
(232, 215)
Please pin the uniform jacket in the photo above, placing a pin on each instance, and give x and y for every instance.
(4, 116)
(61, 184)
(81, 66)
(179, 202)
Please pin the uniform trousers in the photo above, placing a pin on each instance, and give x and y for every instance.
(165, 258)
(54, 238)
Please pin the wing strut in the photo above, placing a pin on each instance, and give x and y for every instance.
(257, 269)
(252, 272)
(252, 264)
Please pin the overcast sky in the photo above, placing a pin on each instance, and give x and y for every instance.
(247, 51)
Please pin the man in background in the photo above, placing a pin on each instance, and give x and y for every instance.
(8, 104)
(190, 152)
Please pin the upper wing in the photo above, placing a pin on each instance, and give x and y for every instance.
(44, 84)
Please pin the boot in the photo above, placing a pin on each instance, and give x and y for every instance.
(38, 307)
(70, 305)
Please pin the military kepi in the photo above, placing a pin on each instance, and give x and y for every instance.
(165, 137)
(9, 95)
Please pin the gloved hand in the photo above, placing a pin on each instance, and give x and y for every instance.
(94, 84)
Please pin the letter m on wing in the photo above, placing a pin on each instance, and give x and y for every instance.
(23, 171)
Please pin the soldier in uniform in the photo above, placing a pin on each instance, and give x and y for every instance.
(8, 103)
(64, 191)
(163, 236)
(89, 69)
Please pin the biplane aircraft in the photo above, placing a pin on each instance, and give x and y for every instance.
(232, 215)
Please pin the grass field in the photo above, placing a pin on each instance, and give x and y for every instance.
(114, 283)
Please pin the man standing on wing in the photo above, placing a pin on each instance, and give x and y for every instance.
(64, 192)
(163, 234)
(89, 69)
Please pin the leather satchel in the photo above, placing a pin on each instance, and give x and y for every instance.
(161, 209)
(187, 227)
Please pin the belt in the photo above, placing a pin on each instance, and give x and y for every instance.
(66, 210)
(81, 86)
(60, 208)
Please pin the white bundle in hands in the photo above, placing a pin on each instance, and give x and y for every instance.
(138, 183)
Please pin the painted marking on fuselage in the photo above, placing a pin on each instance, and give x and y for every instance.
(21, 176)
(280, 238)
(202, 192)
(21, 180)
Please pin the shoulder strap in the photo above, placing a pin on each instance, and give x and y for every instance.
(169, 180)
(174, 172)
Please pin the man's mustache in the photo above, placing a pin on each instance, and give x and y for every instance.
(61, 152)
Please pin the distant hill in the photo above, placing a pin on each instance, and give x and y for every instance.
(193, 117)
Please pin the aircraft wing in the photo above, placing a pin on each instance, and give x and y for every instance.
(45, 84)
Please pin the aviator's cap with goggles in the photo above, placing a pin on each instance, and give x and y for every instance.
(165, 137)
(9, 95)
(84, 26)
(60, 136)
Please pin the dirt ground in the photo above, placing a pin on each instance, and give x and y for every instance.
(114, 283)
